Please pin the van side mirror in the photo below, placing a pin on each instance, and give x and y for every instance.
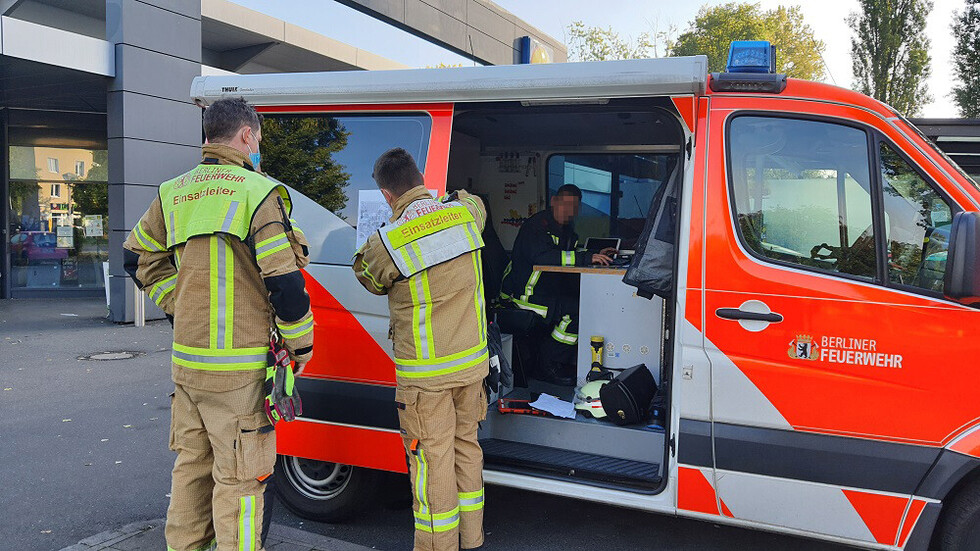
(962, 279)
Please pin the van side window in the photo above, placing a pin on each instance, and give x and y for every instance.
(330, 159)
(917, 222)
(801, 192)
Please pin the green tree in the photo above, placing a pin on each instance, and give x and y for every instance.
(22, 167)
(966, 59)
(798, 52)
(91, 194)
(601, 44)
(299, 152)
(890, 52)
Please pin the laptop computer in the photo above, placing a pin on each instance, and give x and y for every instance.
(596, 244)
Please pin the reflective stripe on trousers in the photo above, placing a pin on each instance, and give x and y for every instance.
(525, 305)
(246, 524)
(425, 519)
(471, 501)
(437, 522)
(560, 333)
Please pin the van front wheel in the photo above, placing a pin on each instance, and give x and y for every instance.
(961, 520)
(322, 491)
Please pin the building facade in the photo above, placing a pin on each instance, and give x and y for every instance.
(95, 113)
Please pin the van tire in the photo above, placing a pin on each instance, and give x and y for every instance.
(322, 491)
(960, 528)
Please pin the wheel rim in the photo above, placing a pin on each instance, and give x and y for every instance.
(317, 480)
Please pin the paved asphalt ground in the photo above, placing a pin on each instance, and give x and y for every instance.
(83, 445)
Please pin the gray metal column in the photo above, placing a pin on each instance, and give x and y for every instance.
(154, 130)
(4, 208)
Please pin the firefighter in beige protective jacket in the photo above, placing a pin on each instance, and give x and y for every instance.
(427, 260)
(218, 253)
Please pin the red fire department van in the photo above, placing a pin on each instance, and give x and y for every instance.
(803, 282)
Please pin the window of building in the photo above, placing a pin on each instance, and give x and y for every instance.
(57, 227)
(802, 193)
(330, 159)
(917, 223)
(80, 168)
(616, 190)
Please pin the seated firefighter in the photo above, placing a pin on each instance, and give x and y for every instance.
(548, 238)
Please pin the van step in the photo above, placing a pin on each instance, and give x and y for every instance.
(580, 467)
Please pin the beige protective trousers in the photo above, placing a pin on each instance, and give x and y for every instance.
(445, 464)
(226, 452)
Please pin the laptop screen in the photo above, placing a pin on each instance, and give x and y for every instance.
(599, 243)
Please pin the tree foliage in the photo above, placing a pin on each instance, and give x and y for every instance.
(602, 44)
(966, 59)
(22, 167)
(91, 196)
(798, 52)
(299, 152)
(890, 52)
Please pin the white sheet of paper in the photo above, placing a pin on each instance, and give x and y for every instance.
(554, 406)
(372, 213)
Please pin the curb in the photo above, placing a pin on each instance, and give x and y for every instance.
(302, 537)
(278, 533)
(108, 538)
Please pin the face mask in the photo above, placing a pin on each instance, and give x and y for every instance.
(254, 158)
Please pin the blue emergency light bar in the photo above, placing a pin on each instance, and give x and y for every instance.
(751, 56)
(751, 68)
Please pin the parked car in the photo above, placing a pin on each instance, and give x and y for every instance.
(31, 246)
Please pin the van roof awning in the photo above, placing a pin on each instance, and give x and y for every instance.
(555, 81)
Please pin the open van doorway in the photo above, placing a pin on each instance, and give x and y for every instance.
(621, 156)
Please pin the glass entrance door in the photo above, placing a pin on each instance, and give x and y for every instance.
(57, 220)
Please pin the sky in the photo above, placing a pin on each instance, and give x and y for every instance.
(627, 17)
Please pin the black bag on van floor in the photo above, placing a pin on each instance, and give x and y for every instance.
(626, 399)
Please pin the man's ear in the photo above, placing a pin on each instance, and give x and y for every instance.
(387, 195)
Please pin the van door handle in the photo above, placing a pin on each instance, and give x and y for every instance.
(738, 314)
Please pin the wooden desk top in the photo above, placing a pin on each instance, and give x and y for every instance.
(608, 270)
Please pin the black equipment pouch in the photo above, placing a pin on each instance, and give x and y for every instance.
(626, 399)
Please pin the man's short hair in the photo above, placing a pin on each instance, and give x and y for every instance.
(396, 171)
(225, 117)
(569, 189)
